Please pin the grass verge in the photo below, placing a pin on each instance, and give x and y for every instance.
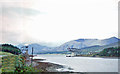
(15, 63)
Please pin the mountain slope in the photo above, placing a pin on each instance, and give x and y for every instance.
(99, 48)
(83, 43)
(86, 45)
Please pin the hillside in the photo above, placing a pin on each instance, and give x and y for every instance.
(86, 45)
(110, 52)
(83, 43)
(10, 48)
(99, 48)
(10, 61)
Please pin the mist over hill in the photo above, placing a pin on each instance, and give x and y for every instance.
(87, 45)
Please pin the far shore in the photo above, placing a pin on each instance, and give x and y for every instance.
(97, 57)
(106, 57)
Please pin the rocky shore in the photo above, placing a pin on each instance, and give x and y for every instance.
(48, 67)
(45, 66)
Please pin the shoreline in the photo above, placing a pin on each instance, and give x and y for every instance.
(104, 57)
(46, 66)
(82, 56)
(56, 67)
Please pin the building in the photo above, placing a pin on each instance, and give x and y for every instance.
(74, 52)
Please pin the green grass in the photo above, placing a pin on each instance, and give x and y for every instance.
(9, 63)
(15, 63)
(5, 53)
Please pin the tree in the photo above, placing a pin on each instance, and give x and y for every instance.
(10, 48)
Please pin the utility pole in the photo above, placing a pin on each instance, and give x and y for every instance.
(32, 56)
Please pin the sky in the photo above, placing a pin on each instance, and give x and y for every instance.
(54, 22)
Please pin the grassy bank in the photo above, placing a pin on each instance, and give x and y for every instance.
(12, 60)
(15, 63)
(5, 53)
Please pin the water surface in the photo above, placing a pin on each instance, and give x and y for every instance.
(82, 64)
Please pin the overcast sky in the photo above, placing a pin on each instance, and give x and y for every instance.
(53, 22)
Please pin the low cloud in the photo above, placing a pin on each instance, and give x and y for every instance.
(12, 23)
(15, 11)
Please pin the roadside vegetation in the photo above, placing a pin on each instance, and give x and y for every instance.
(5, 53)
(13, 61)
(16, 63)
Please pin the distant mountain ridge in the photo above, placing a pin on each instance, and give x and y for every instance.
(84, 44)
(99, 48)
